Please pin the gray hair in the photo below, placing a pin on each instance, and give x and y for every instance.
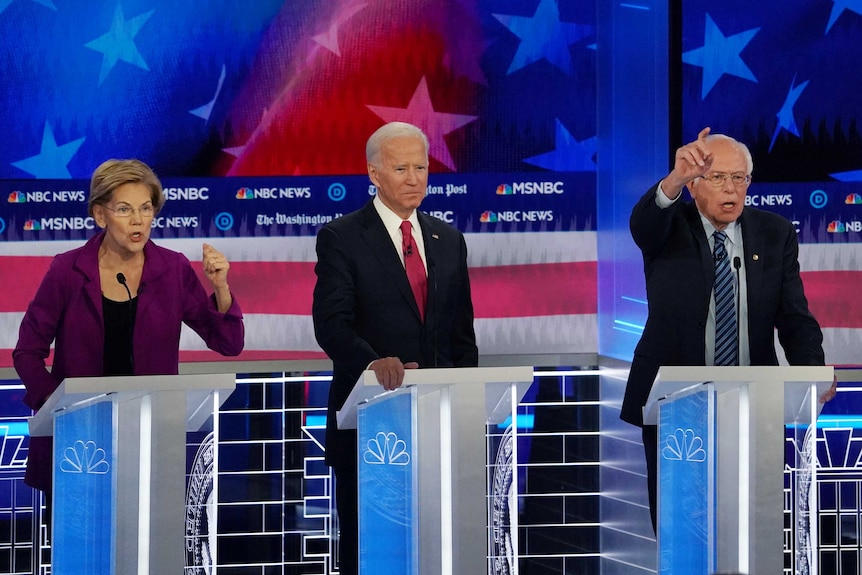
(388, 132)
(742, 148)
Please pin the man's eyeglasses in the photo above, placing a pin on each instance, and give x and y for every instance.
(126, 211)
(717, 179)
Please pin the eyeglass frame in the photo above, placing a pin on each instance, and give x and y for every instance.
(132, 210)
(710, 179)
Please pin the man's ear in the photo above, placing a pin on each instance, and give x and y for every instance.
(372, 174)
(692, 187)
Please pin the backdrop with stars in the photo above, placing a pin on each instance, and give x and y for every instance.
(784, 80)
(293, 88)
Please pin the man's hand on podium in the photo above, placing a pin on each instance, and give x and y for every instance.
(829, 394)
(390, 371)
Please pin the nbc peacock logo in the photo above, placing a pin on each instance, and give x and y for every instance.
(836, 227)
(17, 198)
(489, 217)
(505, 190)
(245, 194)
(32, 226)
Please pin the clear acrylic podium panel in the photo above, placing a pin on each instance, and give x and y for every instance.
(721, 477)
(424, 475)
(120, 501)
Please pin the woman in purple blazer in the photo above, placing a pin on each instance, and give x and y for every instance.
(115, 306)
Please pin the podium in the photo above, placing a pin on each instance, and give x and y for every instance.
(423, 471)
(119, 464)
(722, 442)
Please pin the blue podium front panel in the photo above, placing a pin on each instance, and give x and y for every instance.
(685, 468)
(388, 511)
(84, 485)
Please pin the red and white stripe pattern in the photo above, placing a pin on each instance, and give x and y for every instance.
(532, 292)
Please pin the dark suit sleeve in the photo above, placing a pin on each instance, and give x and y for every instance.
(798, 331)
(650, 225)
(333, 305)
(463, 341)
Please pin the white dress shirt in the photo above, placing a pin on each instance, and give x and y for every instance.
(392, 221)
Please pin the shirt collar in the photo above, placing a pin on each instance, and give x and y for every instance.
(732, 230)
(391, 220)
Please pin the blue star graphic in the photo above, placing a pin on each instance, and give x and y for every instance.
(52, 159)
(543, 36)
(206, 110)
(118, 43)
(569, 155)
(47, 3)
(838, 8)
(852, 176)
(720, 55)
(785, 114)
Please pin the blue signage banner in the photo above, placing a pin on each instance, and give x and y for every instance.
(388, 511)
(84, 488)
(298, 206)
(683, 491)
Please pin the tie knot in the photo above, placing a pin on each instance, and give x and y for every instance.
(719, 236)
(406, 228)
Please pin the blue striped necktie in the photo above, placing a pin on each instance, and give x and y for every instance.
(726, 344)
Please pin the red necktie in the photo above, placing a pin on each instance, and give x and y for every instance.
(414, 266)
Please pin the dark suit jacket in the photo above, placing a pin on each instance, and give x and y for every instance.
(679, 272)
(364, 309)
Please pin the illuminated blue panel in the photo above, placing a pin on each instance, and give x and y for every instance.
(84, 474)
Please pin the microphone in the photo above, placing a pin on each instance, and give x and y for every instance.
(737, 263)
(122, 279)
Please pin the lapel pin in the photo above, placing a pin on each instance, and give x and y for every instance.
(435, 236)
(755, 257)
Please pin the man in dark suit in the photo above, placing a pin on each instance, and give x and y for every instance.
(677, 242)
(392, 293)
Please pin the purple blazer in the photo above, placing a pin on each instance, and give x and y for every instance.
(67, 310)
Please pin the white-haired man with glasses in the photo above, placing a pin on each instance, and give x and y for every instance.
(705, 258)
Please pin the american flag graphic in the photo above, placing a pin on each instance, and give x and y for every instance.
(237, 97)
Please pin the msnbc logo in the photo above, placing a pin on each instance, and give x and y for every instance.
(245, 194)
(853, 199)
(836, 227)
(488, 217)
(505, 190)
(17, 198)
(32, 226)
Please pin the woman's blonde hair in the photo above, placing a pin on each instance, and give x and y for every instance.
(112, 174)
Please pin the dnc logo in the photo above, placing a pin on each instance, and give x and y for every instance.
(489, 217)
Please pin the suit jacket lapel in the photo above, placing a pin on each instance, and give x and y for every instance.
(752, 245)
(380, 246)
(431, 239)
(696, 226)
(87, 263)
